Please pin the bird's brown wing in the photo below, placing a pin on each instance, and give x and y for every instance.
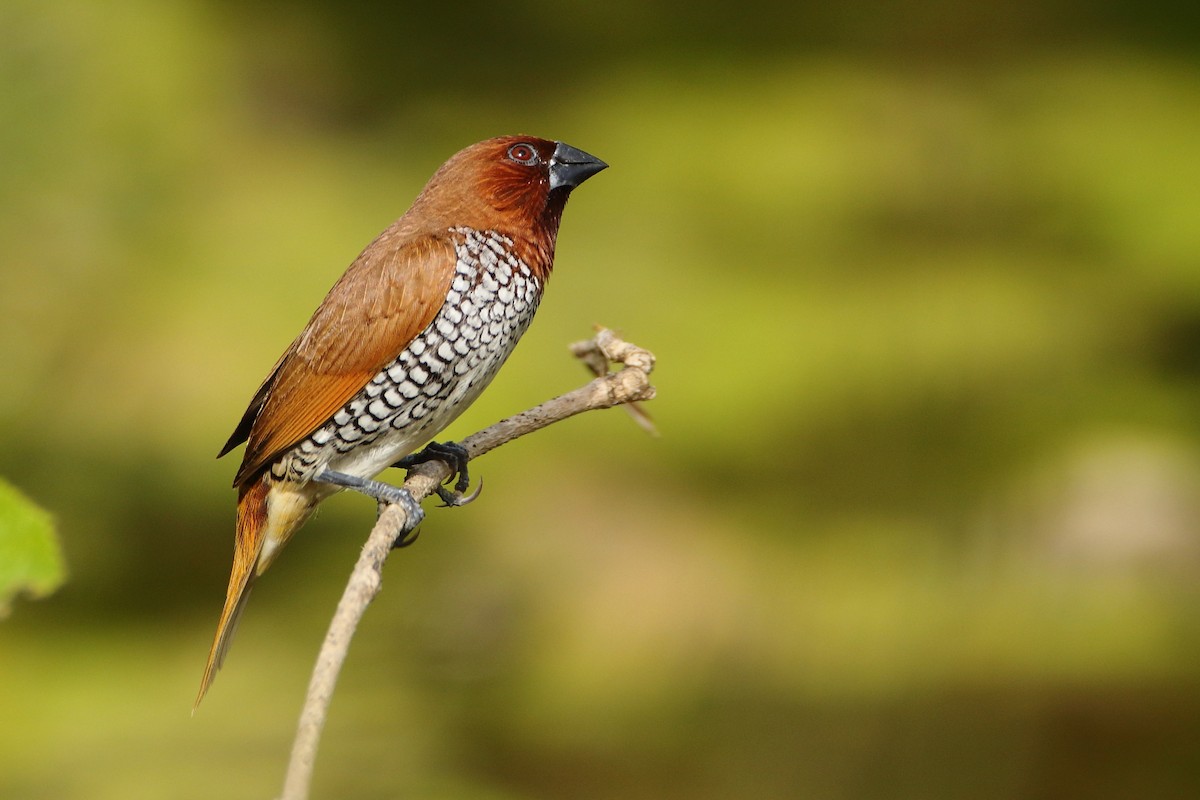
(387, 296)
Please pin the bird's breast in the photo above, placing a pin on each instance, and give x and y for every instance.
(491, 301)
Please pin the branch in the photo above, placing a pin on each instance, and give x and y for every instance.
(626, 387)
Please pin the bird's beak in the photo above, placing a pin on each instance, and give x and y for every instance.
(570, 167)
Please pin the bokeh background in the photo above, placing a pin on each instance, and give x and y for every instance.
(924, 284)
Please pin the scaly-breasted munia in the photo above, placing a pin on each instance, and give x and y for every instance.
(405, 340)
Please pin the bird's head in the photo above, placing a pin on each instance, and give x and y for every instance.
(516, 185)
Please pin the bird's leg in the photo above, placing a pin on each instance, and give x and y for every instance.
(383, 493)
(456, 456)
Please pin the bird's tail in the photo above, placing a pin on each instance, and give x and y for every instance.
(251, 533)
(267, 516)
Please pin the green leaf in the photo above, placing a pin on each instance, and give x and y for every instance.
(30, 558)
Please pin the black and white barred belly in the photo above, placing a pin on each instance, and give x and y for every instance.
(491, 302)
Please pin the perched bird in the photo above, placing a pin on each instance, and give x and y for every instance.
(405, 340)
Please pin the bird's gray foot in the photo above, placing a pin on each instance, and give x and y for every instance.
(456, 456)
(384, 493)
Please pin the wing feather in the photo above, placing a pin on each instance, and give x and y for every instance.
(389, 294)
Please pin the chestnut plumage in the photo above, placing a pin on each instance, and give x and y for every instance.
(405, 340)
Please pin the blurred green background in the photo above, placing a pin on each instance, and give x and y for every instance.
(924, 285)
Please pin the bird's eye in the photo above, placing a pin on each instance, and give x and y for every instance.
(523, 154)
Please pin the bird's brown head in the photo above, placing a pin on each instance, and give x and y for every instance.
(516, 185)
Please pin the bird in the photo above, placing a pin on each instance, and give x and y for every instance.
(407, 338)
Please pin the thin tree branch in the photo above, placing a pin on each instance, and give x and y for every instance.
(627, 386)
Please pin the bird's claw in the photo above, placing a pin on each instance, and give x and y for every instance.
(406, 538)
(456, 499)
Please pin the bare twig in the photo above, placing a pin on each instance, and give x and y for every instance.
(629, 385)
(596, 359)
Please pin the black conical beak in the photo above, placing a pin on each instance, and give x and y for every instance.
(570, 167)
